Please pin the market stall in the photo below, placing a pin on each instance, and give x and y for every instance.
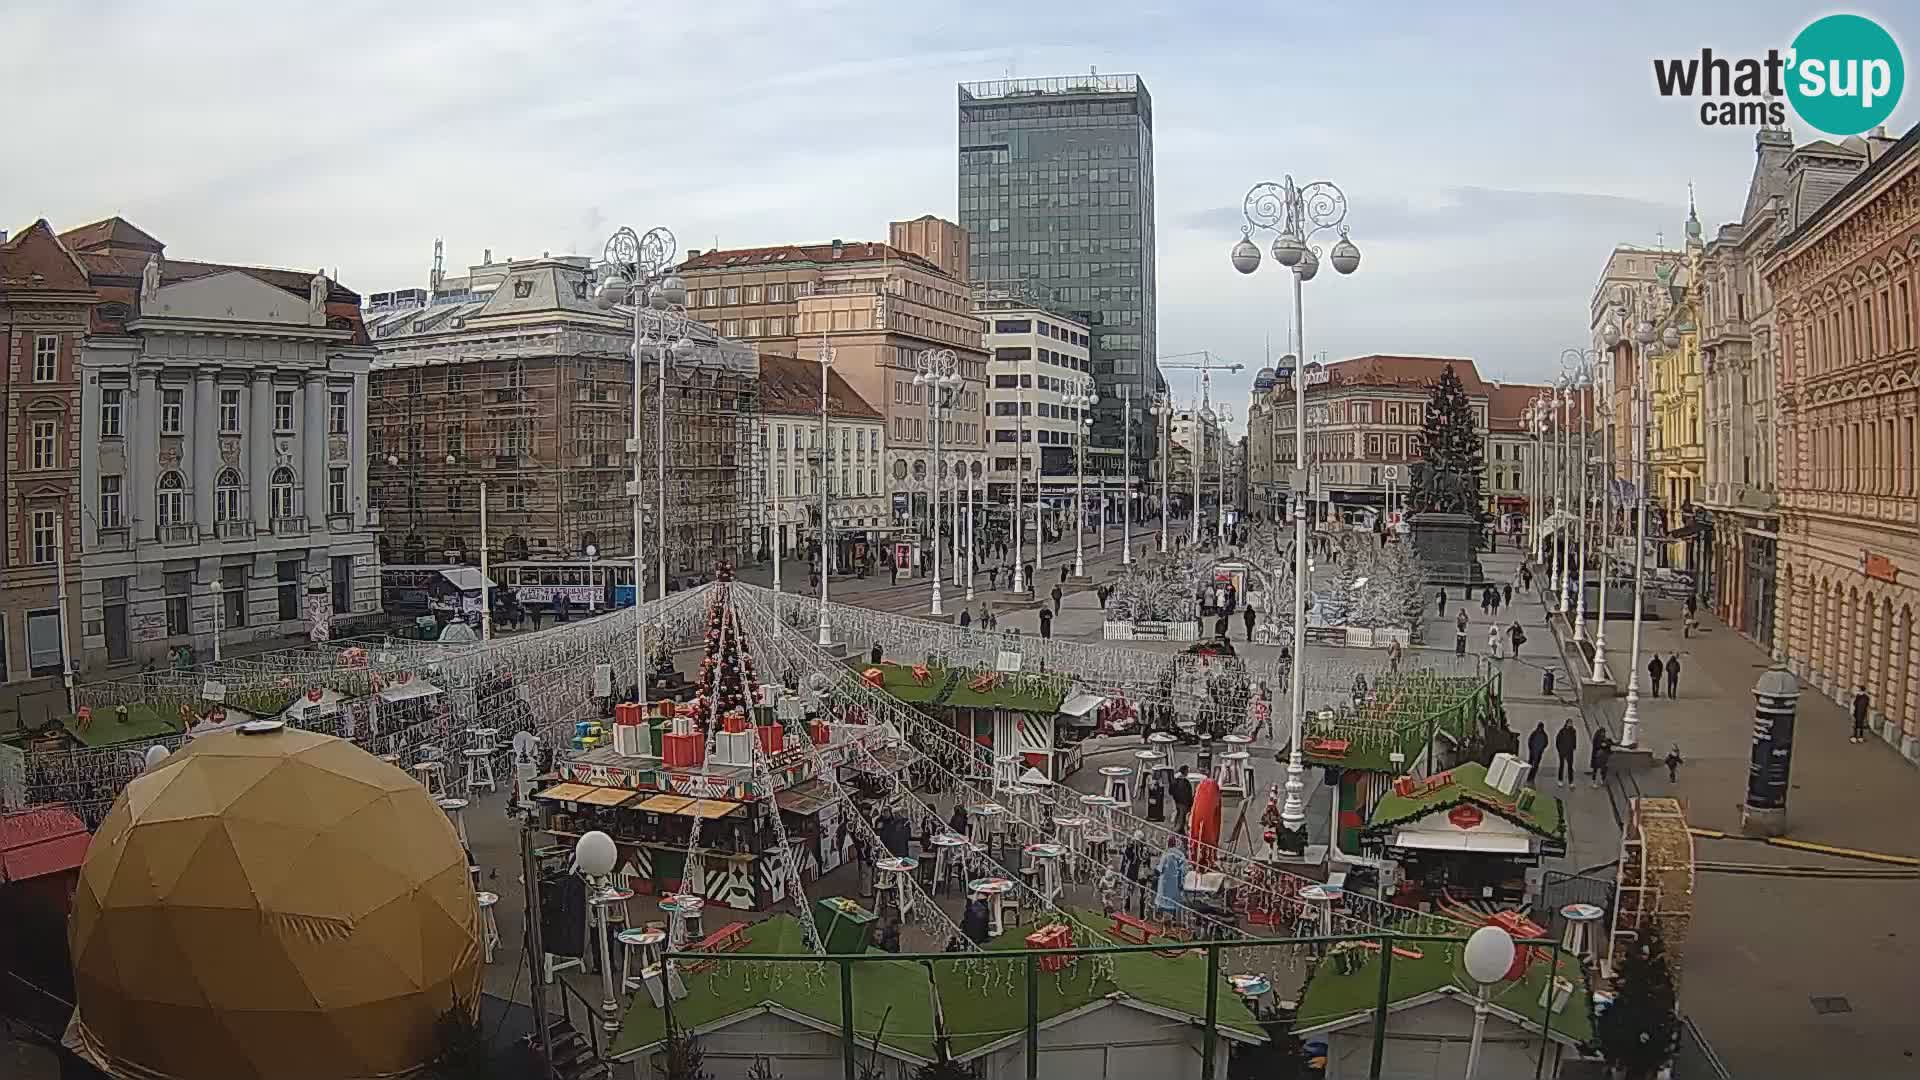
(1463, 835)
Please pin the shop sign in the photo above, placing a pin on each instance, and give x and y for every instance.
(1466, 816)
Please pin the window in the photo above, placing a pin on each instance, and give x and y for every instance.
(229, 411)
(337, 412)
(173, 499)
(281, 489)
(45, 444)
(283, 410)
(776, 327)
(110, 413)
(754, 326)
(516, 496)
(730, 328)
(178, 587)
(337, 491)
(170, 401)
(733, 295)
(110, 505)
(456, 499)
(287, 588)
(753, 294)
(226, 496)
(46, 357)
(113, 593)
(46, 653)
(776, 294)
(710, 298)
(42, 537)
(233, 596)
(456, 439)
(456, 380)
(342, 566)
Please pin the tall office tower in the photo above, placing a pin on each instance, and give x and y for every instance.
(1056, 193)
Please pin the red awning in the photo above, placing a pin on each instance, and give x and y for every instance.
(39, 860)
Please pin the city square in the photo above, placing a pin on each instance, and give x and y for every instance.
(1406, 653)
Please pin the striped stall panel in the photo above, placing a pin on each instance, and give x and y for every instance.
(729, 882)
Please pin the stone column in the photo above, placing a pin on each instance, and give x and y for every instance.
(313, 444)
(143, 456)
(1776, 697)
(259, 456)
(201, 430)
(357, 498)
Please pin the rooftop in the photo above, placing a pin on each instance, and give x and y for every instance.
(1331, 997)
(1543, 814)
(791, 387)
(36, 259)
(782, 256)
(1057, 85)
(1400, 370)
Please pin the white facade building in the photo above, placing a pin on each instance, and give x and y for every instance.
(1037, 360)
(225, 414)
(789, 475)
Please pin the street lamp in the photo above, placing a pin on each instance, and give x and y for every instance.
(1583, 364)
(1296, 214)
(594, 856)
(486, 583)
(1080, 398)
(1225, 416)
(1162, 410)
(1488, 959)
(974, 472)
(219, 603)
(939, 372)
(1642, 338)
(825, 358)
(1563, 573)
(1126, 475)
(639, 275)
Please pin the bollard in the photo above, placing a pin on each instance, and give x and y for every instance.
(1546, 682)
(1776, 697)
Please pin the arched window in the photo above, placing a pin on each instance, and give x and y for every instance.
(173, 498)
(226, 496)
(281, 489)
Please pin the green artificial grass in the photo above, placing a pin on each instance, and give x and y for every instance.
(900, 683)
(952, 688)
(1469, 785)
(142, 722)
(1332, 996)
(978, 1007)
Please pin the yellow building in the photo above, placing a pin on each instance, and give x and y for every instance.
(1678, 458)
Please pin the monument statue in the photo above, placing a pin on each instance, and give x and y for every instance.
(1440, 491)
(150, 279)
(317, 293)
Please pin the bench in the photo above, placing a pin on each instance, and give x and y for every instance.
(1175, 934)
(727, 939)
(1131, 930)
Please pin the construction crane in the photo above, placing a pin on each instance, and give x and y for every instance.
(1206, 363)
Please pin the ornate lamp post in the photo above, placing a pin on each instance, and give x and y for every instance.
(1563, 569)
(1126, 475)
(972, 470)
(1580, 364)
(639, 276)
(1225, 416)
(1081, 399)
(1295, 214)
(1643, 337)
(1162, 410)
(1201, 423)
(825, 358)
(940, 374)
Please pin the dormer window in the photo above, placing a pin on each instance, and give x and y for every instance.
(522, 288)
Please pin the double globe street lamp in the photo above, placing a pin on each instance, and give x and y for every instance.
(1296, 215)
(939, 372)
(1080, 400)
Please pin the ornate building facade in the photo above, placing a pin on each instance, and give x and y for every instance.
(1844, 280)
(1677, 455)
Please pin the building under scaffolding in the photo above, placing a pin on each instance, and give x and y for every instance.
(512, 378)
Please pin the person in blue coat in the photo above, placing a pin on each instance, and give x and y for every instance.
(1170, 889)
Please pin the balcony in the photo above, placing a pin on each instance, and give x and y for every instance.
(179, 535)
(240, 528)
(290, 526)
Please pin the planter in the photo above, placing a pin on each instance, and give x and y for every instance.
(1150, 631)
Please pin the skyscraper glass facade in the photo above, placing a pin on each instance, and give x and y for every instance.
(1056, 190)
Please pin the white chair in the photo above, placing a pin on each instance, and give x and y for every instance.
(479, 768)
(489, 929)
(432, 777)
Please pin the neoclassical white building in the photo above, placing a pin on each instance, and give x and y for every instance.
(224, 411)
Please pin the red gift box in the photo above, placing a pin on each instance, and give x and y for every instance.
(773, 738)
(626, 712)
(819, 732)
(1055, 936)
(683, 751)
(734, 723)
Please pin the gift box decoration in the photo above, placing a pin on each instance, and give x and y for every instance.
(683, 750)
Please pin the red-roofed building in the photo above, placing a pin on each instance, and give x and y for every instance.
(44, 299)
(789, 477)
(42, 848)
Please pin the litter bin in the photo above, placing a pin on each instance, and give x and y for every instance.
(1546, 681)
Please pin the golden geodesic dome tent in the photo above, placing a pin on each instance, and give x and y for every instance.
(275, 904)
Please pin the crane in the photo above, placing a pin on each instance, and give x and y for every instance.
(1206, 363)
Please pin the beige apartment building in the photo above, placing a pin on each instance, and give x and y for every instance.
(879, 307)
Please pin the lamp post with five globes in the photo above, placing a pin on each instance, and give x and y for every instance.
(1643, 337)
(940, 374)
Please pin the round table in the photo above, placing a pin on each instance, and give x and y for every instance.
(902, 866)
(947, 858)
(1251, 989)
(1578, 938)
(645, 939)
(994, 889)
(682, 907)
(453, 807)
(1240, 740)
(489, 929)
(1119, 784)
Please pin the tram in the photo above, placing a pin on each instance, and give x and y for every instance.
(588, 585)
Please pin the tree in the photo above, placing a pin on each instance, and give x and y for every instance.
(1640, 1031)
(460, 1047)
(683, 1058)
(1451, 473)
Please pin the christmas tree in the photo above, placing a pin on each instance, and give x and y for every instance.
(1640, 1031)
(1450, 475)
(724, 657)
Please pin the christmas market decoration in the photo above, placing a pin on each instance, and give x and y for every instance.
(277, 904)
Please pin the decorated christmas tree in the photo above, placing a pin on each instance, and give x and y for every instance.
(726, 658)
(1451, 472)
(1640, 1031)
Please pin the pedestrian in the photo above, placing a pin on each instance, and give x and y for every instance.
(1027, 571)
(1056, 599)
(1506, 594)
(1526, 578)
(1493, 594)
(990, 617)
(1103, 592)
(1460, 623)
(1673, 675)
(1460, 642)
(1672, 762)
(1597, 759)
(1249, 618)
(1654, 668)
(1220, 627)
(1181, 788)
(966, 618)
(894, 569)
(1860, 705)
(1564, 745)
(1443, 603)
(1394, 652)
(1493, 642)
(1486, 601)
(1536, 749)
(1519, 637)
(1046, 623)
(1065, 569)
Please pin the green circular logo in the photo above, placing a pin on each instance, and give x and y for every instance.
(1846, 75)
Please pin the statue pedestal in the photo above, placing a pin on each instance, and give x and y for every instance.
(1446, 546)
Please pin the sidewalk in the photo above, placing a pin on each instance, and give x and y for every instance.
(1760, 947)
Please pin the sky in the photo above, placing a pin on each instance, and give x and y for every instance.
(1491, 154)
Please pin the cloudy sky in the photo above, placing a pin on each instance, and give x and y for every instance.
(1491, 153)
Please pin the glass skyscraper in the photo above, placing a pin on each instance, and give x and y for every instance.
(1056, 190)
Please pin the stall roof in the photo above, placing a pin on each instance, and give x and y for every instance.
(566, 792)
(1081, 706)
(407, 691)
(607, 796)
(685, 807)
(664, 804)
(467, 579)
(953, 687)
(1492, 843)
(805, 799)
(1467, 783)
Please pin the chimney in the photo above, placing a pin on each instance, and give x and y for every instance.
(3, 236)
(838, 247)
(693, 253)
(486, 256)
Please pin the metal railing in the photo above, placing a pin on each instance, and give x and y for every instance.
(1033, 963)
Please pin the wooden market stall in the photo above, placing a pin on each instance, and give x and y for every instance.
(1458, 834)
(1035, 717)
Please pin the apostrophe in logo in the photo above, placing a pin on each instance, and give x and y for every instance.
(1846, 74)
(1843, 75)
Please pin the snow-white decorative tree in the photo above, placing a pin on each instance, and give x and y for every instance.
(1156, 590)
